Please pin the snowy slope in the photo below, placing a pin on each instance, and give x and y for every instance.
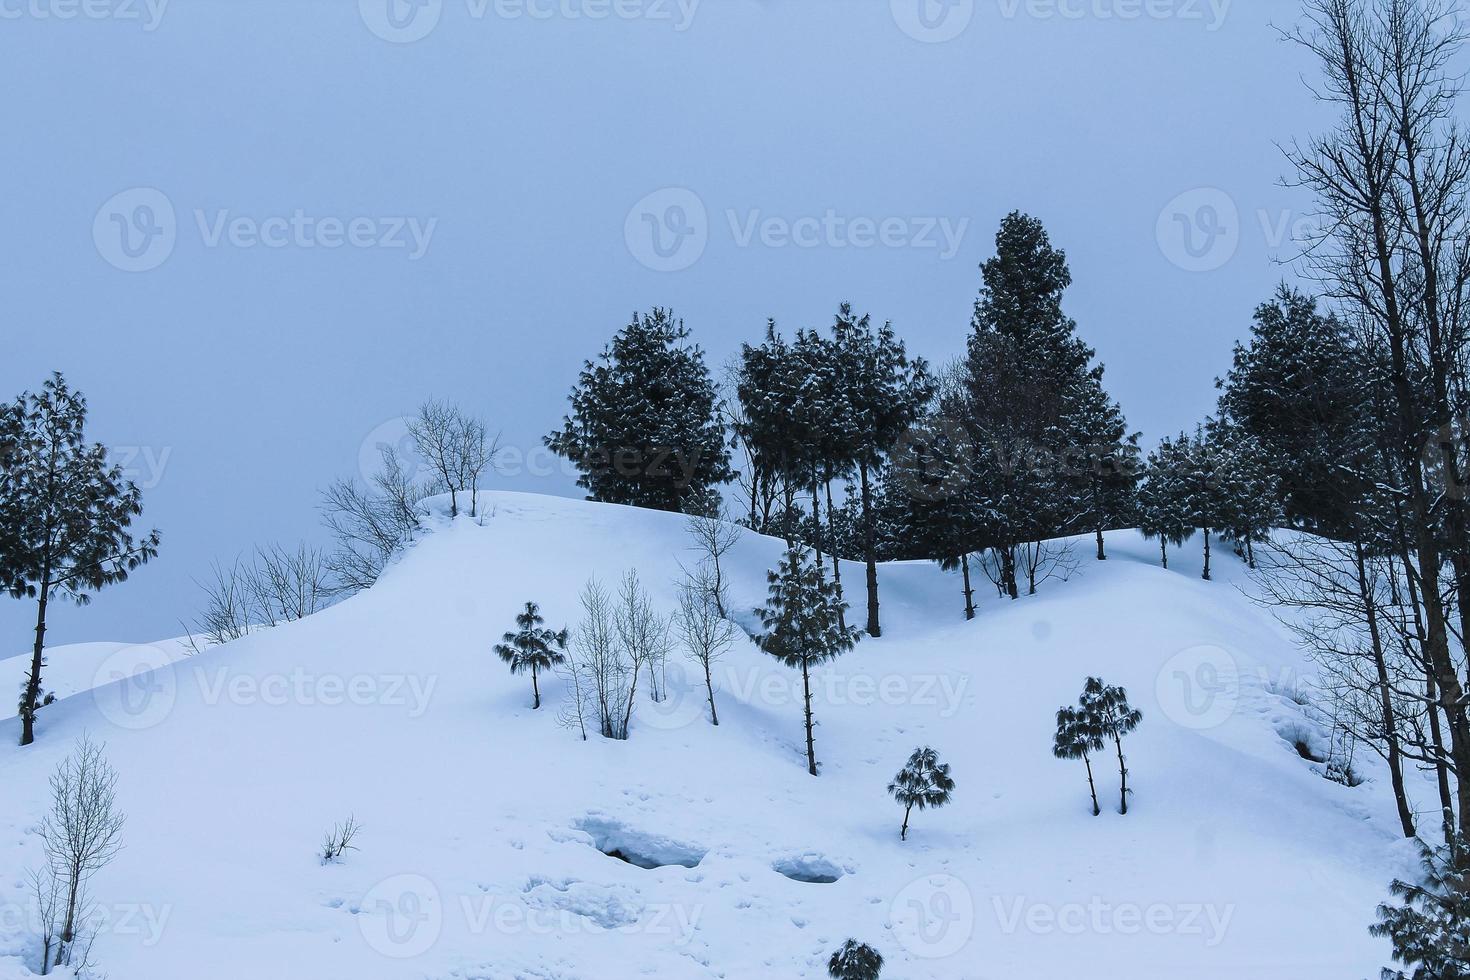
(483, 820)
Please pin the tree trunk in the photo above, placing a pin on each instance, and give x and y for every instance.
(1122, 775)
(1008, 571)
(1092, 786)
(1101, 554)
(969, 592)
(836, 561)
(536, 689)
(1207, 554)
(903, 834)
(31, 703)
(870, 552)
(811, 743)
(709, 687)
(1164, 551)
(1390, 723)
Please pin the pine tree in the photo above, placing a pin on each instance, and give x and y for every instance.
(1077, 737)
(1107, 710)
(65, 517)
(1430, 926)
(923, 782)
(883, 394)
(1248, 491)
(855, 961)
(802, 628)
(1105, 461)
(1201, 486)
(645, 428)
(533, 648)
(1163, 504)
(770, 386)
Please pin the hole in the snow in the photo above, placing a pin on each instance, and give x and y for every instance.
(647, 851)
(811, 868)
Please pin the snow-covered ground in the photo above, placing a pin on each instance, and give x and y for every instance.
(485, 822)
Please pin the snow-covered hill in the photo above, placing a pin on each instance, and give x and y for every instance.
(485, 823)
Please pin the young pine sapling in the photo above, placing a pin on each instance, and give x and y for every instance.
(855, 961)
(1077, 738)
(533, 648)
(924, 783)
(1109, 708)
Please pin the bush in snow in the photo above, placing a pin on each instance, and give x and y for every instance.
(1108, 708)
(1077, 738)
(532, 648)
(1430, 926)
(855, 961)
(338, 840)
(924, 783)
(803, 627)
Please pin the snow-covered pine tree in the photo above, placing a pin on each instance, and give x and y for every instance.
(66, 517)
(1105, 461)
(1163, 505)
(1077, 737)
(769, 384)
(883, 394)
(532, 648)
(1248, 492)
(1202, 486)
(1430, 925)
(923, 782)
(1107, 709)
(855, 961)
(802, 628)
(645, 427)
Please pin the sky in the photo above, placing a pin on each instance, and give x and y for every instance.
(256, 233)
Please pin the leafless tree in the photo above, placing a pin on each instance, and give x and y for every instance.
(1041, 561)
(597, 653)
(712, 538)
(46, 891)
(289, 585)
(81, 834)
(456, 447)
(339, 840)
(581, 694)
(371, 524)
(706, 633)
(227, 602)
(643, 636)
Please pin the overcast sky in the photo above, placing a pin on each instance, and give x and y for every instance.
(257, 232)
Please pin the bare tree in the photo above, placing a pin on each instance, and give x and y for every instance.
(605, 666)
(456, 447)
(82, 833)
(289, 585)
(227, 605)
(706, 633)
(644, 638)
(46, 890)
(581, 694)
(712, 538)
(371, 524)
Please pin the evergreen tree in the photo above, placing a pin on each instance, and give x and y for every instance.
(1202, 487)
(1107, 711)
(1430, 925)
(645, 428)
(1078, 736)
(883, 393)
(65, 517)
(532, 648)
(923, 782)
(855, 961)
(1248, 490)
(771, 385)
(1105, 461)
(1163, 504)
(802, 627)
